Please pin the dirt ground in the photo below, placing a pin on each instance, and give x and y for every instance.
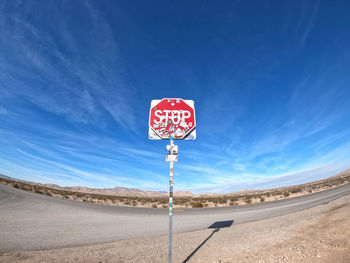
(319, 234)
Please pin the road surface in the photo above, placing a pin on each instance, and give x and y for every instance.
(30, 221)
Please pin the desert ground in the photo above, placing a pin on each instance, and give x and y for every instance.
(318, 234)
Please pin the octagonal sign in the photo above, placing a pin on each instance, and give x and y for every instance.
(172, 117)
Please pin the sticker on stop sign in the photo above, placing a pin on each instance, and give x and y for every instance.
(172, 117)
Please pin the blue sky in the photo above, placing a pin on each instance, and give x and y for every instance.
(270, 81)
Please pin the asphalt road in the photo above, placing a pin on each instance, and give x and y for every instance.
(30, 221)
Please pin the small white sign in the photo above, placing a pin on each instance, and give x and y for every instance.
(171, 153)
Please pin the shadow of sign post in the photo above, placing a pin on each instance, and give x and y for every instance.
(216, 226)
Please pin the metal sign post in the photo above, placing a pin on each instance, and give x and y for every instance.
(171, 157)
(172, 119)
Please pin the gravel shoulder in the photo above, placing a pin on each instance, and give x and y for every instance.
(319, 234)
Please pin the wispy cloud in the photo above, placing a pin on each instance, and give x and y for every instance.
(307, 21)
(79, 87)
(3, 110)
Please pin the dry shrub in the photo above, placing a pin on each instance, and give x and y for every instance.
(196, 204)
(248, 200)
(286, 194)
(296, 190)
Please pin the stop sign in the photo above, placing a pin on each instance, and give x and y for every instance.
(172, 117)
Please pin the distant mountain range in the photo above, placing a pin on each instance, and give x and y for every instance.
(7, 177)
(120, 191)
(133, 192)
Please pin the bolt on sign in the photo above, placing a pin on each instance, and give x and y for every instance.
(172, 118)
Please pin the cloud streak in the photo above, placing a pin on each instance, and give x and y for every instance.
(80, 88)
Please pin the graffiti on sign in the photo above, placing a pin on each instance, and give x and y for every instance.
(172, 118)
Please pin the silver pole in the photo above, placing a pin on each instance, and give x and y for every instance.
(171, 186)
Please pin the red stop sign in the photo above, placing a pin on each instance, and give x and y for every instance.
(172, 117)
